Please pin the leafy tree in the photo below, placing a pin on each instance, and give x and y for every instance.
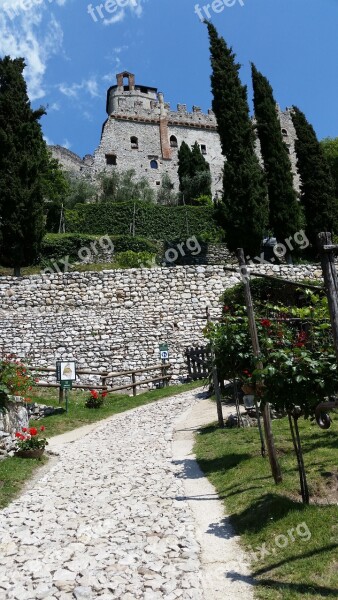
(121, 187)
(166, 194)
(194, 173)
(56, 183)
(317, 187)
(330, 149)
(70, 192)
(243, 211)
(284, 213)
(23, 165)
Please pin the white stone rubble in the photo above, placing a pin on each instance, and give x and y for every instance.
(104, 522)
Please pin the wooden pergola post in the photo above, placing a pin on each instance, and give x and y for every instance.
(275, 467)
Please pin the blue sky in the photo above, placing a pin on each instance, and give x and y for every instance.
(72, 59)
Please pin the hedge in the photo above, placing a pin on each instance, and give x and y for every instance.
(152, 221)
(58, 245)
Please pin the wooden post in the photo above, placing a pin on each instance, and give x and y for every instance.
(133, 378)
(327, 250)
(275, 467)
(60, 395)
(216, 382)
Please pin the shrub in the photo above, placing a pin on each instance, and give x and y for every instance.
(135, 260)
(151, 221)
(58, 245)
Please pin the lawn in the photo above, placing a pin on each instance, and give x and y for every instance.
(293, 548)
(14, 472)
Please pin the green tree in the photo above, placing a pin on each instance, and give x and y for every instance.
(121, 187)
(317, 186)
(243, 211)
(166, 195)
(330, 149)
(194, 174)
(23, 165)
(284, 209)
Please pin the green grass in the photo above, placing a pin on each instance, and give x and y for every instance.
(14, 472)
(260, 510)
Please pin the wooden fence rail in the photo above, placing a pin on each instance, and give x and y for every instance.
(105, 375)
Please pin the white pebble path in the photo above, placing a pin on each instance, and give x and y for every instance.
(104, 522)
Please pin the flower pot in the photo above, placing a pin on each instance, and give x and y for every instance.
(33, 453)
(248, 389)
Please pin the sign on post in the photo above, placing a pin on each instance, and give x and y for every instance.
(164, 351)
(65, 370)
(65, 375)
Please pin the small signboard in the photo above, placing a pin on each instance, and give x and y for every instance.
(164, 351)
(66, 370)
(66, 384)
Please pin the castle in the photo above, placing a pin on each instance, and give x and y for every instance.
(144, 134)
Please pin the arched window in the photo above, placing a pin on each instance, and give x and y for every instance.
(154, 164)
(284, 132)
(203, 149)
(173, 141)
(134, 142)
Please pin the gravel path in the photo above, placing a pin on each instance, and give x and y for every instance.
(104, 522)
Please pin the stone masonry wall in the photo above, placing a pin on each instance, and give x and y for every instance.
(116, 319)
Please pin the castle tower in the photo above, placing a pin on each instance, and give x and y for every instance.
(142, 133)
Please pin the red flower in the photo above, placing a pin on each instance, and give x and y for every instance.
(24, 429)
(28, 399)
(18, 435)
(104, 394)
(33, 431)
(42, 428)
(265, 323)
(94, 394)
(225, 308)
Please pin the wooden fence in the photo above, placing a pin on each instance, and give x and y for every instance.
(199, 362)
(107, 376)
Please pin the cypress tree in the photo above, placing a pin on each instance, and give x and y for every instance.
(194, 174)
(285, 213)
(317, 186)
(184, 163)
(243, 211)
(23, 164)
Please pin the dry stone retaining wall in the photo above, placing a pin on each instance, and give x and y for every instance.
(116, 319)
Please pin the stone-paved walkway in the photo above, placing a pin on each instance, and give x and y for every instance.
(104, 522)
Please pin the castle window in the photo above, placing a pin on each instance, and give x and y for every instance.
(158, 183)
(173, 141)
(284, 132)
(111, 159)
(154, 164)
(203, 149)
(143, 90)
(134, 142)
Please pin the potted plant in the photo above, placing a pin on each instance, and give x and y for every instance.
(95, 400)
(29, 444)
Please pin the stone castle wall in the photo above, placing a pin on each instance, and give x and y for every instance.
(116, 319)
(140, 112)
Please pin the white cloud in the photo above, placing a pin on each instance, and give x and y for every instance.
(54, 107)
(66, 144)
(24, 36)
(135, 6)
(72, 91)
(48, 141)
